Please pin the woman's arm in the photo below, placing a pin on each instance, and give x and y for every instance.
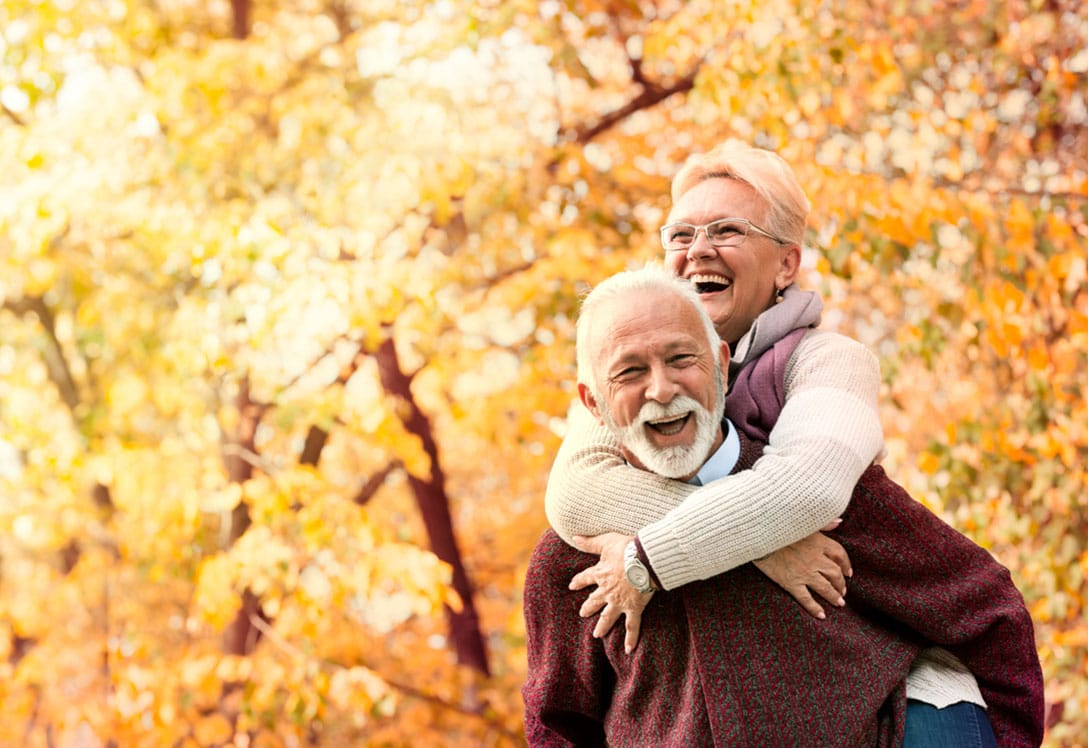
(915, 569)
(592, 490)
(826, 435)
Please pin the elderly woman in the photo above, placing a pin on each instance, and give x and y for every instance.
(735, 232)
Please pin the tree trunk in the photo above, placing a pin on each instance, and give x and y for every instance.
(240, 635)
(239, 18)
(468, 642)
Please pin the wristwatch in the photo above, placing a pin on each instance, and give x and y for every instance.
(635, 571)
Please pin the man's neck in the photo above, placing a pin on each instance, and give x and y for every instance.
(722, 458)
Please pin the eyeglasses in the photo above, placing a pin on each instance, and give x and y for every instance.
(725, 232)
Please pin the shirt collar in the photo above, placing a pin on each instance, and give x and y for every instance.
(724, 459)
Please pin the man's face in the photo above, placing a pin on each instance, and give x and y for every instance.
(659, 387)
(735, 284)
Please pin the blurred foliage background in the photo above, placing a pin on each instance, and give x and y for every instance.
(287, 291)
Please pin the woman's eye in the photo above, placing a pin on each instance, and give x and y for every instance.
(722, 231)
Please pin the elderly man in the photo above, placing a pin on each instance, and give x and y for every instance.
(730, 660)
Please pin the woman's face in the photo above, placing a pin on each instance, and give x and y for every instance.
(735, 284)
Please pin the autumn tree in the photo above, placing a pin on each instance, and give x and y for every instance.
(288, 294)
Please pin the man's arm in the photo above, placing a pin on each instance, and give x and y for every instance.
(569, 682)
(827, 434)
(913, 568)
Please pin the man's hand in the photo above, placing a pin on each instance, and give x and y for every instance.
(816, 564)
(614, 593)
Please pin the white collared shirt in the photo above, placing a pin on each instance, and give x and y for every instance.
(724, 459)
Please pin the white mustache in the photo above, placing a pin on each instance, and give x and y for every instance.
(680, 405)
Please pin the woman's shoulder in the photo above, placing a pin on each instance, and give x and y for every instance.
(826, 342)
(825, 356)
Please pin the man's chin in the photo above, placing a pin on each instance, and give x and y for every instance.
(677, 462)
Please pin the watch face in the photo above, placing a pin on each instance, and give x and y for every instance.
(638, 577)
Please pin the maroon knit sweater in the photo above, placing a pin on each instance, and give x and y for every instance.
(916, 570)
(729, 661)
(733, 661)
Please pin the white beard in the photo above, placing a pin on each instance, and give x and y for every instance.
(670, 462)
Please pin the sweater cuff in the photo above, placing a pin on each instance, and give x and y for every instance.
(646, 562)
(670, 564)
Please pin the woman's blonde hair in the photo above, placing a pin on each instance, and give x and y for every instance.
(764, 171)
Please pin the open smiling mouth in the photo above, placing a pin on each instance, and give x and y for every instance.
(670, 426)
(707, 283)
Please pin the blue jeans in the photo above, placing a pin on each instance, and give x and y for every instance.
(960, 725)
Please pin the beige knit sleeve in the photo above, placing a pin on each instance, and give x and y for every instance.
(591, 489)
(827, 434)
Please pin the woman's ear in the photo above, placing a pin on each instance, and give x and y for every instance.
(788, 267)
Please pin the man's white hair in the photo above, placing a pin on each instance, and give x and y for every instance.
(633, 283)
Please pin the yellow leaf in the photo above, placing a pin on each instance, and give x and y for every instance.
(213, 730)
(928, 463)
(216, 600)
(1038, 360)
(1020, 225)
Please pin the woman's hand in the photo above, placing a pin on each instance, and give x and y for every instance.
(614, 593)
(816, 564)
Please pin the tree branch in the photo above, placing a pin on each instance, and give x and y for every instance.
(13, 116)
(366, 493)
(650, 95)
(55, 362)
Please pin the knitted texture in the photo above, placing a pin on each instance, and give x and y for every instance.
(912, 568)
(770, 674)
(730, 661)
(828, 433)
(758, 673)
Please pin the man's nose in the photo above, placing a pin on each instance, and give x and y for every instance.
(661, 388)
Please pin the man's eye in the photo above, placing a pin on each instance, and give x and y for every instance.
(680, 235)
(629, 373)
(683, 359)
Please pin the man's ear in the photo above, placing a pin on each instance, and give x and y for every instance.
(723, 356)
(788, 266)
(589, 401)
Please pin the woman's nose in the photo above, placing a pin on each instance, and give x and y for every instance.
(700, 246)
